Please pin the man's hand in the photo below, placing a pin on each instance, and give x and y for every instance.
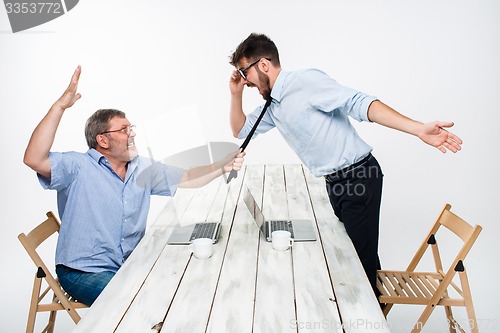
(37, 152)
(70, 96)
(233, 162)
(436, 135)
(236, 83)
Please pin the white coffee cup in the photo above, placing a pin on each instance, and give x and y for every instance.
(281, 240)
(202, 248)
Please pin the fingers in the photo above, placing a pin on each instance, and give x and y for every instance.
(73, 85)
(445, 124)
(236, 83)
(238, 161)
(454, 138)
(236, 77)
(237, 165)
(76, 77)
(451, 143)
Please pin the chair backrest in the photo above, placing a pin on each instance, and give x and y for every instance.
(37, 236)
(467, 233)
(60, 300)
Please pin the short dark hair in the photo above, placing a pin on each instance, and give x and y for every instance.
(98, 123)
(256, 46)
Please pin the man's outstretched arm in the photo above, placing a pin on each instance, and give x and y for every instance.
(200, 176)
(433, 133)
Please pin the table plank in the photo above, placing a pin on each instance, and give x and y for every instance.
(233, 306)
(274, 299)
(315, 300)
(190, 309)
(357, 304)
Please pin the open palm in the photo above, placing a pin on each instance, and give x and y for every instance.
(436, 135)
(70, 96)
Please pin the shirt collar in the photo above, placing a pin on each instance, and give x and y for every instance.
(101, 159)
(97, 156)
(277, 91)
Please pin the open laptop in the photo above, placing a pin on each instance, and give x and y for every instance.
(301, 230)
(186, 234)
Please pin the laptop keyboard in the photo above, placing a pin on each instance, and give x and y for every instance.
(203, 230)
(282, 225)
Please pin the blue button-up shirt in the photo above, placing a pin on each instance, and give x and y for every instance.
(102, 216)
(311, 111)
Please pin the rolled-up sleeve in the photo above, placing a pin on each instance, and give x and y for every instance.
(332, 96)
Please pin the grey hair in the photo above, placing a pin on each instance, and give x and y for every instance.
(98, 123)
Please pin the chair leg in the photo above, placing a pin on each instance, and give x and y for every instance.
(52, 317)
(387, 308)
(423, 318)
(468, 301)
(37, 285)
(452, 325)
(451, 320)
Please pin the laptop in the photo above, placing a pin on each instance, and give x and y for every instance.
(186, 234)
(301, 230)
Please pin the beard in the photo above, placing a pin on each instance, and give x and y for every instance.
(264, 84)
(132, 153)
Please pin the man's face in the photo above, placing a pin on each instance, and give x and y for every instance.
(255, 77)
(120, 136)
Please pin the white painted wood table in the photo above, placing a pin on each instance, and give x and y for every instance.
(245, 286)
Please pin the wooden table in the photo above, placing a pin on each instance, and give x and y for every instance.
(246, 286)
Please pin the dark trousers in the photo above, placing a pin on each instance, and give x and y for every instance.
(355, 194)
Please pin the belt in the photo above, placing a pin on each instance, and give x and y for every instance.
(348, 168)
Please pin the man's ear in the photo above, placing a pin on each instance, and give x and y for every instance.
(264, 65)
(102, 141)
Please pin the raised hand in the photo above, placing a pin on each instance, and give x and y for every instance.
(236, 83)
(436, 135)
(70, 96)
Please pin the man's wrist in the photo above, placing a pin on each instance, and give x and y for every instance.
(57, 107)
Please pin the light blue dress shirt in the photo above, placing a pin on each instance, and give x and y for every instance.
(311, 111)
(102, 216)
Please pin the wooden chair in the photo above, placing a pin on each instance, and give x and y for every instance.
(60, 299)
(431, 288)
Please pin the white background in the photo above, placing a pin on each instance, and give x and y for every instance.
(431, 60)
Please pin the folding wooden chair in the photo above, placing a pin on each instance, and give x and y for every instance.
(431, 288)
(60, 299)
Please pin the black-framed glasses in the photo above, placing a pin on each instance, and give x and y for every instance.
(243, 71)
(126, 130)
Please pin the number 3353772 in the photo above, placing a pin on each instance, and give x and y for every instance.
(33, 8)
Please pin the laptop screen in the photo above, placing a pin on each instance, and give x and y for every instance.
(254, 208)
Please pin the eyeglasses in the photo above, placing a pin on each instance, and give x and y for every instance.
(243, 71)
(126, 130)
